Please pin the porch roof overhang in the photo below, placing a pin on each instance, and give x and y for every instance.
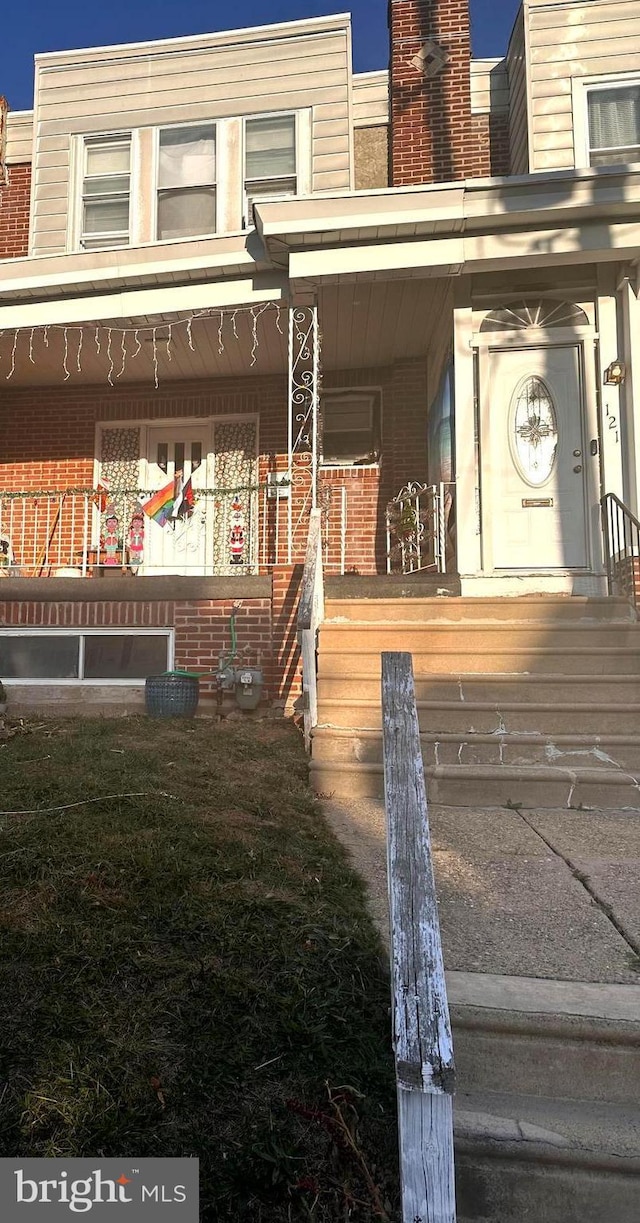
(131, 282)
(559, 218)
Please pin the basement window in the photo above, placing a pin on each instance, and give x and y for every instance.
(350, 428)
(95, 656)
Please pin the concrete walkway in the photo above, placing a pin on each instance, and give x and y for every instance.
(552, 894)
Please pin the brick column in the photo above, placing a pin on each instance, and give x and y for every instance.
(431, 123)
(286, 675)
(15, 199)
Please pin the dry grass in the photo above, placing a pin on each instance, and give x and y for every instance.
(184, 973)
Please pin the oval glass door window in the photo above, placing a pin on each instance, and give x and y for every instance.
(534, 434)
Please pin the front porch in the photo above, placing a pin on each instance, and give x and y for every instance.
(134, 584)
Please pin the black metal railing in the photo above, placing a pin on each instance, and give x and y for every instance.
(621, 530)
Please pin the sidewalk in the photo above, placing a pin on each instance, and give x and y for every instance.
(554, 893)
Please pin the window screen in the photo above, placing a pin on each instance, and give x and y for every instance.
(115, 657)
(106, 656)
(350, 429)
(54, 657)
(270, 157)
(105, 193)
(614, 125)
(186, 181)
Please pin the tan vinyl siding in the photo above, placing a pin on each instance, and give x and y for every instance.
(489, 86)
(304, 66)
(19, 136)
(371, 99)
(569, 41)
(518, 115)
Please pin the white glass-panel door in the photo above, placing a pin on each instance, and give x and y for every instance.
(178, 535)
(536, 471)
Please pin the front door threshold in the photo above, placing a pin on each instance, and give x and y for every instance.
(577, 582)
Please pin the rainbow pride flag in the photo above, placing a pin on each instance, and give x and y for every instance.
(160, 504)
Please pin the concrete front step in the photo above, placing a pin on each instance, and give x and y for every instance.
(546, 1116)
(365, 747)
(554, 609)
(455, 717)
(589, 690)
(535, 1037)
(548, 1161)
(479, 637)
(490, 785)
(517, 660)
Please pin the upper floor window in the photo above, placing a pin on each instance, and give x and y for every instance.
(106, 188)
(614, 123)
(186, 181)
(270, 157)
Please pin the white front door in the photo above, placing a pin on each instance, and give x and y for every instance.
(536, 468)
(180, 545)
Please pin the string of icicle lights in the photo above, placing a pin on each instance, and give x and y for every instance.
(112, 341)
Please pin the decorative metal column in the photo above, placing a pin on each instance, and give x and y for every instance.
(304, 399)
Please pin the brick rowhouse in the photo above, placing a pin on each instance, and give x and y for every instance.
(432, 136)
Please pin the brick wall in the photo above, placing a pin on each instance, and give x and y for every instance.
(432, 135)
(47, 440)
(14, 212)
(202, 631)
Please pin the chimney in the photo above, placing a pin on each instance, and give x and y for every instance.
(430, 88)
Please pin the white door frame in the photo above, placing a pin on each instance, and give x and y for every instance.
(536, 339)
(144, 424)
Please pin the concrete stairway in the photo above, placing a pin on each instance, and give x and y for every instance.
(530, 702)
(546, 1119)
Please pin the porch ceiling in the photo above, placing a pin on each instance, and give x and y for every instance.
(363, 325)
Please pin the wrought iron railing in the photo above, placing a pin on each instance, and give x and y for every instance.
(419, 524)
(621, 530)
(87, 532)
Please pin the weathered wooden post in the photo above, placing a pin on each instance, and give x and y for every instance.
(422, 1039)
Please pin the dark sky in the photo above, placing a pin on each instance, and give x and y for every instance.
(31, 26)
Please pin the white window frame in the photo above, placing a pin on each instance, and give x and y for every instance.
(82, 144)
(220, 151)
(82, 632)
(374, 395)
(302, 151)
(144, 142)
(581, 87)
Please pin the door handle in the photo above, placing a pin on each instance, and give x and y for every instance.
(578, 467)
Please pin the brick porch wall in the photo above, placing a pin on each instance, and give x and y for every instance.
(201, 626)
(47, 441)
(14, 212)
